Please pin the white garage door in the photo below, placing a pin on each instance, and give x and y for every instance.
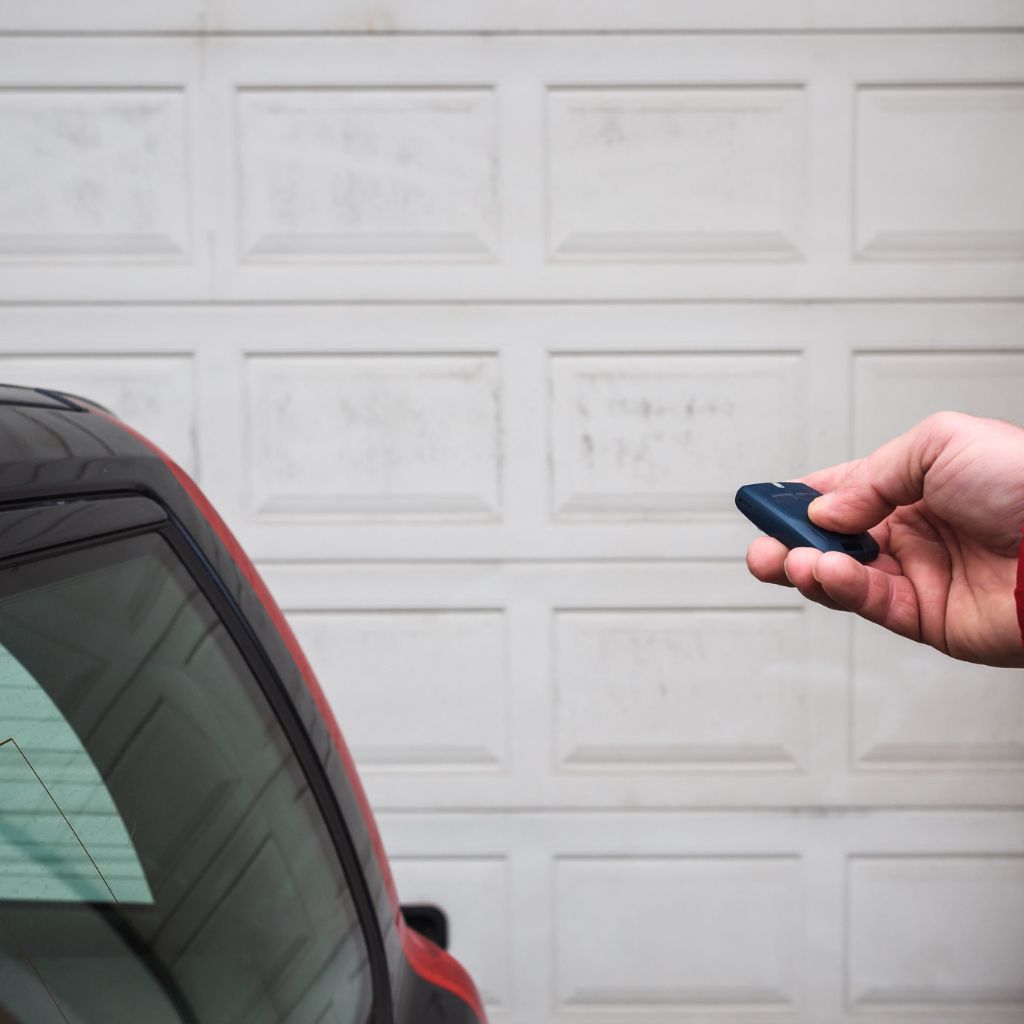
(470, 322)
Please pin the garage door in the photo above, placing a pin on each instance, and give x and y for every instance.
(471, 322)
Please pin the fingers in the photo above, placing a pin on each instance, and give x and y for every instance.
(879, 592)
(881, 596)
(836, 581)
(799, 567)
(766, 559)
(772, 562)
(865, 491)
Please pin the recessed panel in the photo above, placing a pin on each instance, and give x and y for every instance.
(374, 436)
(363, 173)
(938, 172)
(678, 689)
(474, 894)
(937, 933)
(893, 391)
(419, 689)
(668, 435)
(152, 393)
(88, 173)
(914, 706)
(676, 173)
(649, 934)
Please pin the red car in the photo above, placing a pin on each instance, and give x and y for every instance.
(183, 836)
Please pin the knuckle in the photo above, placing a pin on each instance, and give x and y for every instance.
(945, 422)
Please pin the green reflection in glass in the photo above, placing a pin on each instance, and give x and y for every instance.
(61, 837)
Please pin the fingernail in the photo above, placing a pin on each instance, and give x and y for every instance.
(819, 504)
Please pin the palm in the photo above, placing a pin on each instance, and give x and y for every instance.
(956, 585)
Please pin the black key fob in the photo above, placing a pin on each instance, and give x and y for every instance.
(780, 510)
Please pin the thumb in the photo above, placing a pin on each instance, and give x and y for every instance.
(870, 488)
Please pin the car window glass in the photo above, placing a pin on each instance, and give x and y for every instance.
(177, 867)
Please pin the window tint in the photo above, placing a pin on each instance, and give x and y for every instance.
(161, 856)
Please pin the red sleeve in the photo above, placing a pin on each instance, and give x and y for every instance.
(1018, 592)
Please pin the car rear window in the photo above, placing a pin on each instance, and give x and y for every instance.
(161, 855)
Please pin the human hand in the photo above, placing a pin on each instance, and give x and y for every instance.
(945, 501)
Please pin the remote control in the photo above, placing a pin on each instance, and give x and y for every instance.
(780, 510)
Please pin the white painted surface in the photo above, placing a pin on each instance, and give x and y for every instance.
(737, 157)
(373, 436)
(628, 166)
(644, 688)
(444, 670)
(93, 173)
(471, 335)
(366, 172)
(962, 141)
(376, 17)
(667, 434)
(936, 933)
(739, 916)
(734, 942)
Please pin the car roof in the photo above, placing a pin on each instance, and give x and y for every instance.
(14, 394)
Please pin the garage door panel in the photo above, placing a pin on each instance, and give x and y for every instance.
(709, 689)
(913, 708)
(712, 166)
(101, 170)
(403, 435)
(894, 390)
(89, 173)
(472, 318)
(729, 166)
(646, 686)
(765, 175)
(367, 173)
(936, 934)
(583, 728)
(668, 435)
(737, 918)
(736, 187)
(883, 916)
(937, 171)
